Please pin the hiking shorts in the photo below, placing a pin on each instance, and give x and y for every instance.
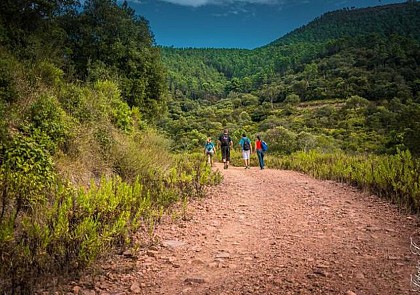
(246, 154)
(225, 152)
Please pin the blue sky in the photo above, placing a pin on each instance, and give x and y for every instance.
(233, 23)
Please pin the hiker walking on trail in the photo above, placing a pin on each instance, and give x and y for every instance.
(209, 151)
(245, 144)
(225, 145)
(260, 152)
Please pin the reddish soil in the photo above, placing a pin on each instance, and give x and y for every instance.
(269, 232)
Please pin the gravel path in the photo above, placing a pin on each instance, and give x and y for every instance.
(270, 232)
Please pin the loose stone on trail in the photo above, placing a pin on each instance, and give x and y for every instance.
(173, 244)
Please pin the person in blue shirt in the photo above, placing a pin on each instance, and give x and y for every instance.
(209, 151)
(246, 147)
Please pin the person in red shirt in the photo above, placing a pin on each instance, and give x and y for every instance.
(260, 152)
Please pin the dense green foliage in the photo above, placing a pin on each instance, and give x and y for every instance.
(335, 86)
(107, 41)
(65, 229)
(83, 92)
(346, 84)
(326, 35)
(81, 166)
(387, 20)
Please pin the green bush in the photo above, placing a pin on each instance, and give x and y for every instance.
(104, 137)
(26, 180)
(47, 117)
(281, 140)
(27, 171)
(75, 101)
(3, 125)
(8, 85)
(109, 98)
(70, 228)
(48, 73)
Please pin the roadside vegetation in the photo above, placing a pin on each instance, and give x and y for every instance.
(82, 167)
(101, 131)
(338, 98)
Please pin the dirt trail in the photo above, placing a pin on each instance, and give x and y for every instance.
(271, 232)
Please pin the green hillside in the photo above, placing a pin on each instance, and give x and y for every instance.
(331, 59)
(338, 98)
(102, 131)
(387, 20)
(299, 47)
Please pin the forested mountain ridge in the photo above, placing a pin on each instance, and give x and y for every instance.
(387, 20)
(373, 75)
(86, 122)
(300, 46)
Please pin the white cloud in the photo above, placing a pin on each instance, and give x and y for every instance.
(197, 3)
(194, 3)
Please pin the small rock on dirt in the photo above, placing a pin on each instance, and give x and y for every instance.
(135, 288)
(173, 244)
(223, 255)
(195, 280)
(76, 290)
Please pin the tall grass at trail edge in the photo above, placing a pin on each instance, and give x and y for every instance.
(393, 177)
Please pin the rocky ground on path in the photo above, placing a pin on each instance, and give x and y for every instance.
(269, 232)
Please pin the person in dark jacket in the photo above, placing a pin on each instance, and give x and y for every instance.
(226, 144)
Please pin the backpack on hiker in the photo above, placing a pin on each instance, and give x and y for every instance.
(224, 140)
(246, 146)
(209, 147)
(264, 146)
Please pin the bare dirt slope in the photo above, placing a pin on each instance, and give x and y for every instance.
(270, 232)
